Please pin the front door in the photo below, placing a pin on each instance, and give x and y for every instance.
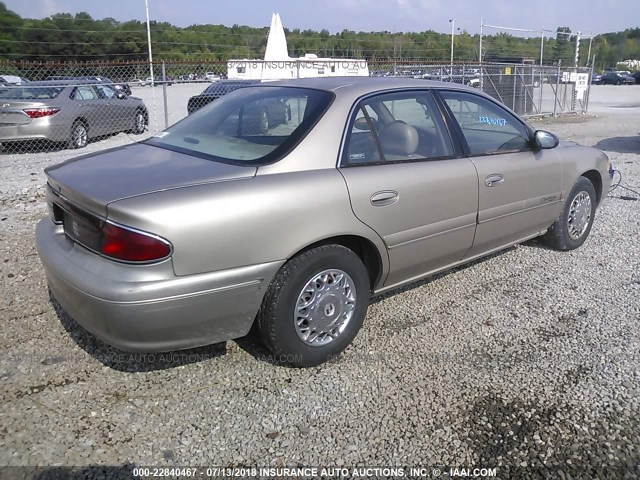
(520, 189)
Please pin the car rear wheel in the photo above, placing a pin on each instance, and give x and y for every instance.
(139, 122)
(572, 227)
(315, 306)
(79, 137)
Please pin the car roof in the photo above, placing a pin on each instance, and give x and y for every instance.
(357, 86)
(53, 83)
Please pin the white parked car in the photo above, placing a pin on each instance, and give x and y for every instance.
(14, 79)
(212, 77)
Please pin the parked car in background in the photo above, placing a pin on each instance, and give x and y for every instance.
(374, 183)
(13, 79)
(215, 91)
(120, 87)
(267, 114)
(136, 82)
(93, 80)
(596, 78)
(614, 78)
(211, 77)
(636, 76)
(70, 111)
(168, 81)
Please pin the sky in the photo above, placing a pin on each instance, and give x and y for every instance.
(586, 16)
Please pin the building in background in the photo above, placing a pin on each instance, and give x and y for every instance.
(278, 65)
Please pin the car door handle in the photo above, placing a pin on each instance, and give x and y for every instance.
(384, 198)
(494, 180)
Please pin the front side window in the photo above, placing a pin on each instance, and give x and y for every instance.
(396, 127)
(487, 127)
(106, 91)
(250, 125)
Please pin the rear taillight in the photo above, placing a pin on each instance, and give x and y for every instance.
(132, 246)
(41, 112)
(106, 238)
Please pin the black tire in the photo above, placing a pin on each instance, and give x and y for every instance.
(562, 234)
(79, 135)
(276, 320)
(619, 82)
(139, 122)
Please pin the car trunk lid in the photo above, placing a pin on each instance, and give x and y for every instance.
(93, 181)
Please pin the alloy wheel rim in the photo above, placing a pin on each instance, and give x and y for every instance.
(140, 122)
(80, 136)
(579, 215)
(324, 307)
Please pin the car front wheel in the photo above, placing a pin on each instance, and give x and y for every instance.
(572, 227)
(315, 306)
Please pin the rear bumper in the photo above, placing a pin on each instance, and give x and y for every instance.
(35, 130)
(148, 308)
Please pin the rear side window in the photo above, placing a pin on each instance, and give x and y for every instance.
(84, 93)
(396, 127)
(487, 127)
(253, 125)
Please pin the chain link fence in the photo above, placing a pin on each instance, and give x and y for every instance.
(109, 104)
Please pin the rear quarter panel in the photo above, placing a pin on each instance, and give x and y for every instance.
(246, 222)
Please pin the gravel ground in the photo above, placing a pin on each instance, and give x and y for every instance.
(528, 361)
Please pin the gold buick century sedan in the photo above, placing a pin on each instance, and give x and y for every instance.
(220, 223)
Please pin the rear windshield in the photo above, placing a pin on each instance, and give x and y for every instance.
(32, 93)
(253, 125)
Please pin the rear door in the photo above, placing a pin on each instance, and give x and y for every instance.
(408, 183)
(88, 106)
(519, 187)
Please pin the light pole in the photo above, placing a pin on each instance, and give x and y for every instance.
(452, 21)
(153, 88)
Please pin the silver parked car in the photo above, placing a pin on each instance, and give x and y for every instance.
(190, 237)
(68, 111)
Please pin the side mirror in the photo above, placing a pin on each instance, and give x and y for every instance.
(545, 140)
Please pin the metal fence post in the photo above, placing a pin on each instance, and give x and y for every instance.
(514, 79)
(586, 103)
(480, 55)
(164, 95)
(555, 100)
